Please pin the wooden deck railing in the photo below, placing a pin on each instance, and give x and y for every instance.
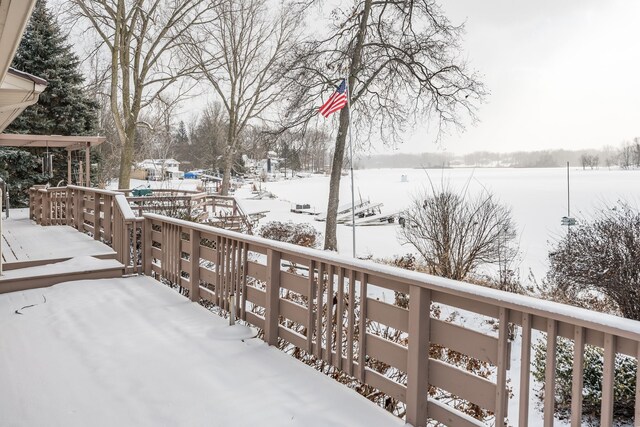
(103, 214)
(223, 210)
(215, 265)
(340, 310)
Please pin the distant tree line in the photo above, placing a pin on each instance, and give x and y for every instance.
(626, 156)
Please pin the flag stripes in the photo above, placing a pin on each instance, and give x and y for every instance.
(336, 101)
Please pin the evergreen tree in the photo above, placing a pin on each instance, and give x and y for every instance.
(63, 108)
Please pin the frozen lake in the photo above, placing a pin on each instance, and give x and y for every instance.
(537, 198)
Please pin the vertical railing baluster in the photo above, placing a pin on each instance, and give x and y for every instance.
(218, 285)
(194, 256)
(351, 322)
(96, 216)
(577, 376)
(329, 317)
(223, 271)
(362, 328)
(418, 355)
(68, 206)
(310, 287)
(77, 209)
(550, 373)
(147, 253)
(243, 302)
(339, 316)
(108, 203)
(47, 208)
(525, 371)
(238, 278)
(501, 377)
(272, 310)
(127, 247)
(319, 304)
(608, 379)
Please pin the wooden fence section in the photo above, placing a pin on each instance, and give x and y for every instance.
(221, 211)
(47, 206)
(261, 276)
(105, 215)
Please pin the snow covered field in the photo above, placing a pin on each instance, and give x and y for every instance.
(537, 197)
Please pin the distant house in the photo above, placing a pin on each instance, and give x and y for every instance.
(158, 169)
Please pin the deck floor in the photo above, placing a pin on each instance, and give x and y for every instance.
(130, 351)
(22, 240)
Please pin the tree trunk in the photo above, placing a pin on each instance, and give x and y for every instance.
(330, 239)
(126, 158)
(226, 176)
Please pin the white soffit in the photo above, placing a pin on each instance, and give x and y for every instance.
(14, 16)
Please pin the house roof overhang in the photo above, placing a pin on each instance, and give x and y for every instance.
(18, 90)
(70, 143)
(14, 16)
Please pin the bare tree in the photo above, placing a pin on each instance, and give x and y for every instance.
(241, 54)
(626, 155)
(456, 233)
(602, 255)
(141, 38)
(207, 139)
(609, 154)
(402, 63)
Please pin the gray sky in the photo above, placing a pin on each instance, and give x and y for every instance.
(561, 74)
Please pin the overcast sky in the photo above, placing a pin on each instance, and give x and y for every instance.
(561, 74)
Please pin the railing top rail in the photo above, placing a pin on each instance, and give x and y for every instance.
(94, 190)
(157, 198)
(163, 190)
(218, 196)
(607, 323)
(125, 209)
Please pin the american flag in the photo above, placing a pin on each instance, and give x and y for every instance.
(336, 101)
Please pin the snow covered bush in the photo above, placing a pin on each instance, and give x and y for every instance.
(298, 234)
(455, 233)
(602, 256)
(624, 387)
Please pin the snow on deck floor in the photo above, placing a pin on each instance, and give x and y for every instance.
(23, 240)
(133, 352)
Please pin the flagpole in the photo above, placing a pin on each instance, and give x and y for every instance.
(353, 200)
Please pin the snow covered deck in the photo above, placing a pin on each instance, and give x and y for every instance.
(133, 352)
(26, 243)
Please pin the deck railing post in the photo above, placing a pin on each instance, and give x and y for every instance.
(502, 399)
(194, 274)
(418, 355)
(68, 206)
(31, 203)
(77, 207)
(146, 246)
(273, 297)
(46, 208)
(108, 220)
(96, 215)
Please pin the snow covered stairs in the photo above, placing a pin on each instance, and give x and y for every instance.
(77, 268)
